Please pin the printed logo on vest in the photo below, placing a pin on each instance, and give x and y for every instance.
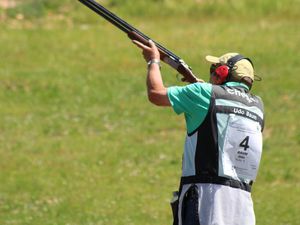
(241, 94)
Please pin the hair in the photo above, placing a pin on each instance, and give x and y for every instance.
(248, 81)
(245, 80)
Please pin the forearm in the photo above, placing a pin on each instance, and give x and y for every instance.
(154, 78)
(157, 92)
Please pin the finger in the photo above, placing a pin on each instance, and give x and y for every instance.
(140, 45)
(151, 44)
(137, 43)
(200, 80)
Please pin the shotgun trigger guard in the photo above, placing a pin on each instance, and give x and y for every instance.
(178, 77)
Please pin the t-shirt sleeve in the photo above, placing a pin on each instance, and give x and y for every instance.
(193, 100)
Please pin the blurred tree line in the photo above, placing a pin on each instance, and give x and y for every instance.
(32, 9)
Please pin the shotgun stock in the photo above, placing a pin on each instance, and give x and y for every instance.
(134, 34)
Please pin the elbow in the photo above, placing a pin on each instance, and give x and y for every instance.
(158, 98)
(153, 98)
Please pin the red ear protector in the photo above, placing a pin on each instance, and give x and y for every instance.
(223, 72)
(219, 73)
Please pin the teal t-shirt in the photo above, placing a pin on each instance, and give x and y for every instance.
(193, 100)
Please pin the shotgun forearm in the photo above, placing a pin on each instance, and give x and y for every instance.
(166, 55)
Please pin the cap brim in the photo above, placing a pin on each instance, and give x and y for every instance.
(212, 59)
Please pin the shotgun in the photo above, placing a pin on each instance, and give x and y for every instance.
(134, 34)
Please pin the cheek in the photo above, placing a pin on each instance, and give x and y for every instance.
(213, 79)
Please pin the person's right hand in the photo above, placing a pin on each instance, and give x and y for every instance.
(150, 52)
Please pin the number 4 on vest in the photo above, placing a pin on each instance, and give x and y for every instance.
(245, 143)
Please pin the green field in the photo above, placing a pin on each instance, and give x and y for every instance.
(79, 142)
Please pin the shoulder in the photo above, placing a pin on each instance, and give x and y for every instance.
(199, 86)
(196, 88)
(190, 98)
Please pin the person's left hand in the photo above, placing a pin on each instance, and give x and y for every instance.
(150, 52)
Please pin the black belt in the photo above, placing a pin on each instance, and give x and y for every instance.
(216, 180)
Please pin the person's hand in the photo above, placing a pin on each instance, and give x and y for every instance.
(150, 52)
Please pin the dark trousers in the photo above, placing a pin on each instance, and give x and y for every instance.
(190, 215)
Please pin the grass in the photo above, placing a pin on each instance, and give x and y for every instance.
(80, 144)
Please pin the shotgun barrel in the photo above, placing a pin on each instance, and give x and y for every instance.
(134, 34)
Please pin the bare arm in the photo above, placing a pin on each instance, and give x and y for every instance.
(157, 92)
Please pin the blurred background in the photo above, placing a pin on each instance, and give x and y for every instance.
(79, 142)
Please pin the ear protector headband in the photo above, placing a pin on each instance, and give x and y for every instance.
(224, 71)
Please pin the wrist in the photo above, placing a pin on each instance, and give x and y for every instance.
(153, 61)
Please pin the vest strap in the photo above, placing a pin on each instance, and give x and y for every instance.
(216, 180)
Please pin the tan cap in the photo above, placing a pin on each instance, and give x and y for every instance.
(242, 68)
